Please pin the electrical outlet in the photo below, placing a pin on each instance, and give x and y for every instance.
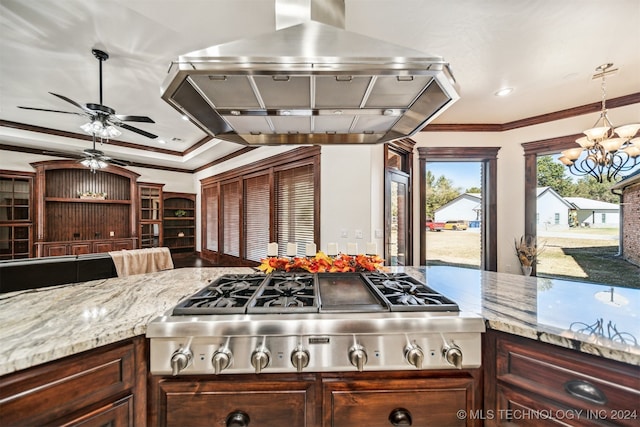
(358, 234)
(344, 233)
(378, 233)
(112, 233)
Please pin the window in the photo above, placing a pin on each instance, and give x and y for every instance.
(487, 156)
(295, 210)
(231, 218)
(604, 218)
(256, 213)
(556, 218)
(397, 203)
(273, 200)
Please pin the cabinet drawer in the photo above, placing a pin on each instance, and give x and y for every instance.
(117, 414)
(212, 403)
(569, 378)
(516, 408)
(426, 402)
(42, 394)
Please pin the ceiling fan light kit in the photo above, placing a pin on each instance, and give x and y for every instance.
(103, 122)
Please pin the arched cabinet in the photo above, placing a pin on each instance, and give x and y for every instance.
(79, 212)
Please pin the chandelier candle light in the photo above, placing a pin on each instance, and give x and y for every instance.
(602, 154)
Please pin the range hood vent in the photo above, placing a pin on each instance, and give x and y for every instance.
(310, 83)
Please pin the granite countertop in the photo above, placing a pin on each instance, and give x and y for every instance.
(591, 318)
(37, 326)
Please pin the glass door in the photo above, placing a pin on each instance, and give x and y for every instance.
(397, 238)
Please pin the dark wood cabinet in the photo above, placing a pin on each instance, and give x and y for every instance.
(369, 399)
(105, 386)
(532, 383)
(150, 215)
(16, 217)
(78, 211)
(178, 221)
(386, 402)
(44, 249)
(274, 401)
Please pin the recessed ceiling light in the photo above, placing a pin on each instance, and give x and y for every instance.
(185, 117)
(162, 141)
(504, 91)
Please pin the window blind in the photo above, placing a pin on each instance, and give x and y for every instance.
(231, 218)
(256, 216)
(210, 196)
(294, 205)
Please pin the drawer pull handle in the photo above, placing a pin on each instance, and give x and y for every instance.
(238, 419)
(400, 417)
(585, 391)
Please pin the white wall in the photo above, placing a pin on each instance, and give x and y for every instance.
(548, 205)
(351, 195)
(463, 208)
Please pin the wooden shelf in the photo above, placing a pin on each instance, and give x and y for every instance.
(66, 200)
(174, 202)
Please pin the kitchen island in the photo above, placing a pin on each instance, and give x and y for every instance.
(44, 325)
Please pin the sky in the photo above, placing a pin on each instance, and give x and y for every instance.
(462, 174)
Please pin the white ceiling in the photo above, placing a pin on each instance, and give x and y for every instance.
(547, 50)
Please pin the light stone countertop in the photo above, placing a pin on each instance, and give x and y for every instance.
(591, 318)
(38, 326)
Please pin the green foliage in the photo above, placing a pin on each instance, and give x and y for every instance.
(476, 190)
(439, 191)
(589, 188)
(551, 174)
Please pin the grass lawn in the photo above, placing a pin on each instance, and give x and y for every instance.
(567, 257)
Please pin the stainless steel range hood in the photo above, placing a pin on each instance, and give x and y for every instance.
(310, 83)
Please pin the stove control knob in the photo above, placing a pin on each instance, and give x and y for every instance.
(453, 355)
(358, 356)
(414, 355)
(221, 360)
(180, 360)
(300, 358)
(260, 359)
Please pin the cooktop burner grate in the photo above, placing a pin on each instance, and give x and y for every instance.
(230, 293)
(286, 292)
(404, 293)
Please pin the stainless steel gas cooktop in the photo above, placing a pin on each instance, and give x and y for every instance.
(295, 322)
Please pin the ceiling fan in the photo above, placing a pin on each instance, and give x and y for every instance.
(91, 158)
(103, 119)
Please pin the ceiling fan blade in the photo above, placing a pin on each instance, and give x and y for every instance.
(51, 111)
(117, 162)
(136, 130)
(72, 102)
(141, 119)
(63, 154)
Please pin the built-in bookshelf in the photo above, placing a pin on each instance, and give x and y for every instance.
(178, 221)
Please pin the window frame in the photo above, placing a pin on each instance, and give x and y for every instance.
(488, 156)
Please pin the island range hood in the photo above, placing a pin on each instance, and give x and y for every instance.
(310, 82)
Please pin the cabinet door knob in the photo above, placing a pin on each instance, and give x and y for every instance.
(400, 417)
(238, 419)
(585, 391)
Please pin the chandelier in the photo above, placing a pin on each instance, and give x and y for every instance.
(605, 151)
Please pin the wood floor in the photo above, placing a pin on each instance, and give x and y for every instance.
(190, 260)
